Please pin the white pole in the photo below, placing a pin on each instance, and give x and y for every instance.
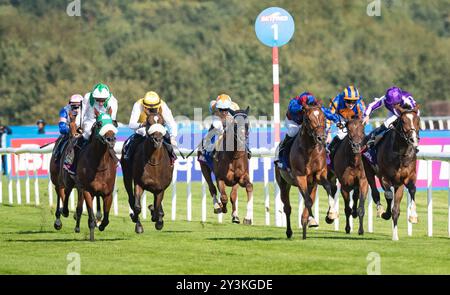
(144, 205)
(27, 181)
(10, 185)
(115, 199)
(174, 192)
(266, 190)
(50, 191)
(36, 186)
(370, 212)
(448, 124)
(300, 209)
(408, 204)
(316, 208)
(351, 206)
(430, 197)
(431, 125)
(336, 206)
(276, 122)
(72, 200)
(18, 191)
(441, 124)
(203, 199)
(189, 192)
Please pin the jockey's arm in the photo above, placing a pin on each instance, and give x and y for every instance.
(376, 104)
(170, 122)
(63, 118)
(134, 124)
(114, 106)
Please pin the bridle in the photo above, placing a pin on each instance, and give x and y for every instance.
(312, 132)
(407, 136)
(356, 146)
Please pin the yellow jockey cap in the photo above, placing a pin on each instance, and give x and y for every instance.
(351, 93)
(151, 100)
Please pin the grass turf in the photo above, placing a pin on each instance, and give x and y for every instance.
(30, 245)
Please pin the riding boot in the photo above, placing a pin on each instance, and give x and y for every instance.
(375, 136)
(332, 145)
(71, 164)
(130, 147)
(170, 149)
(283, 147)
(247, 148)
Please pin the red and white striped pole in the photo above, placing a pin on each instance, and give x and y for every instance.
(278, 206)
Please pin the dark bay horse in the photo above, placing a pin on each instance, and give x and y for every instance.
(96, 171)
(307, 159)
(62, 188)
(349, 169)
(396, 165)
(148, 169)
(231, 165)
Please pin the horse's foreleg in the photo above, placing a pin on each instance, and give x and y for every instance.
(79, 210)
(332, 214)
(303, 188)
(223, 195)
(363, 188)
(284, 195)
(138, 191)
(206, 172)
(98, 215)
(411, 186)
(158, 213)
(65, 209)
(249, 215)
(355, 197)
(88, 198)
(107, 201)
(389, 196)
(345, 191)
(233, 198)
(396, 210)
(60, 195)
(370, 175)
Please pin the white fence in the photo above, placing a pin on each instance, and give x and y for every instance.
(31, 176)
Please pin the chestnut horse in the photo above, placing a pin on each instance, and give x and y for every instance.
(231, 166)
(307, 160)
(63, 189)
(396, 161)
(96, 171)
(349, 169)
(149, 169)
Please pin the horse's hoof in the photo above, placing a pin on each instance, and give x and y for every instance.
(328, 220)
(102, 226)
(159, 225)
(312, 222)
(380, 211)
(77, 229)
(347, 229)
(354, 213)
(235, 219)
(65, 213)
(386, 215)
(58, 224)
(289, 233)
(361, 232)
(413, 219)
(248, 221)
(224, 210)
(217, 210)
(138, 228)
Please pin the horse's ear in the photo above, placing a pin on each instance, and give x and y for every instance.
(232, 112)
(247, 110)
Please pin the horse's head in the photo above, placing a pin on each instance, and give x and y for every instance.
(408, 124)
(355, 130)
(105, 130)
(240, 126)
(155, 128)
(314, 123)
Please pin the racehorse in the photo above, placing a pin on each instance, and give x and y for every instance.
(230, 166)
(349, 169)
(62, 188)
(307, 160)
(396, 165)
(96, 171)
(149, 169)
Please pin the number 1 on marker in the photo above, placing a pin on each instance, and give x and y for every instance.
(275, 31)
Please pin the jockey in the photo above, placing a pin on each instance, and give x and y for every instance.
(393, 96)
(68, 114)
(293, 121)
(99, 101)
(219, 108)
(346, 105)
(153, 104)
